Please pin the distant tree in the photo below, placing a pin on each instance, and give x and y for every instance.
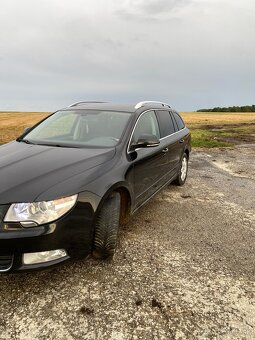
(247, 108)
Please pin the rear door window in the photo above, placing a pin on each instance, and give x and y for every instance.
(178, 120)
(166, 123)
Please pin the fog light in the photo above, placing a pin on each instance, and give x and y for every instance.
(43, 256)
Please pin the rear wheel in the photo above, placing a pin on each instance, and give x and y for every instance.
(183, 171)
(106, 228)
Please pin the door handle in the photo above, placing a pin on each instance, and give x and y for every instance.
(181, 141)
(165, 150)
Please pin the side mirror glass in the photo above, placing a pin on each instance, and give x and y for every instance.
(145, 141)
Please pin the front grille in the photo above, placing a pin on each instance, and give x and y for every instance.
(6, 262)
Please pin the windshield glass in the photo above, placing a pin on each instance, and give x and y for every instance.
(80, 128)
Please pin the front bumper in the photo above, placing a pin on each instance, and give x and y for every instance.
(73, 233)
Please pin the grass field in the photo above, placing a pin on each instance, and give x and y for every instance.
(209, 129)
(215, 129)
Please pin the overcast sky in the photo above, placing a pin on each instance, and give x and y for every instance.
(189, 53)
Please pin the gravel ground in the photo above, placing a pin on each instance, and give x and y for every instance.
(184, 269)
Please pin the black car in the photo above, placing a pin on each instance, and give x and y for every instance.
(67, 183)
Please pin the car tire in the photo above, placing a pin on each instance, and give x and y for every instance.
(183, 171)
(106, 228)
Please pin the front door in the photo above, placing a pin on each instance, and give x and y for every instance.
(148, 163)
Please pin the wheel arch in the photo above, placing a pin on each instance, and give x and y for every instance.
(126, 201)
(187, 152)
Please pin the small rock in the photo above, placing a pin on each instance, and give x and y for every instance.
(139, 302)
(87, 310)
(156, 303)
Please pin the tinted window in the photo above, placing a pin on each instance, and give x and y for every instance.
(179, 121)
(147, 124)
(175, 124)
(166, 123)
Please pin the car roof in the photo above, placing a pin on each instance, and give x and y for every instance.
(131, 108)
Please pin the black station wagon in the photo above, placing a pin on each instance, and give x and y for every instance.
(69, 182)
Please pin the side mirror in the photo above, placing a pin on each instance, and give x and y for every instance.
(145, 141)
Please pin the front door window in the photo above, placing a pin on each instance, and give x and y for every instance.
(147, 124)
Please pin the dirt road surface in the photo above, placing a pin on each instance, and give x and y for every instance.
(184, 269)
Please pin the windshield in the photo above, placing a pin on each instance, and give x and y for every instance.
(80, 128)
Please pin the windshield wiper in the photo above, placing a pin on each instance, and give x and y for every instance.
(58, 145)
(24, 141)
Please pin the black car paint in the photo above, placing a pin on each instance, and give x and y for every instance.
(30, 172)
(35, 173)
(69, 230)
(163, 165)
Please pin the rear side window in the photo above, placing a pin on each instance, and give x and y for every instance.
(179, 121)
(166, 123)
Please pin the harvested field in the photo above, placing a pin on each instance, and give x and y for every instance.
(217, 129)
(217, 118)
(12, 124)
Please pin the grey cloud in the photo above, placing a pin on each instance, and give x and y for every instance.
(157, 6)
(155, 9)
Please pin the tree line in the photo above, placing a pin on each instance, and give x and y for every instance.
(247, 108)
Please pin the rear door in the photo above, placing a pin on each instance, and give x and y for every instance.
(181, 133)
(170, 141)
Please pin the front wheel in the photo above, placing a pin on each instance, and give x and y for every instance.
(183, 171)
(106, 228)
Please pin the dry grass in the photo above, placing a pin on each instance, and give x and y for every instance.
(12, 124)
(193, 119)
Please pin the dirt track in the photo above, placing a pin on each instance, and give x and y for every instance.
(185, 268)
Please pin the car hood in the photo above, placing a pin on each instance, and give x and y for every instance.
(27, 171)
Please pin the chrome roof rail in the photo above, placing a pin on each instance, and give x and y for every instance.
(85, 102)
(141, 104)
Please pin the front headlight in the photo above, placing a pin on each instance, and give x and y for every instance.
(39, 212)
